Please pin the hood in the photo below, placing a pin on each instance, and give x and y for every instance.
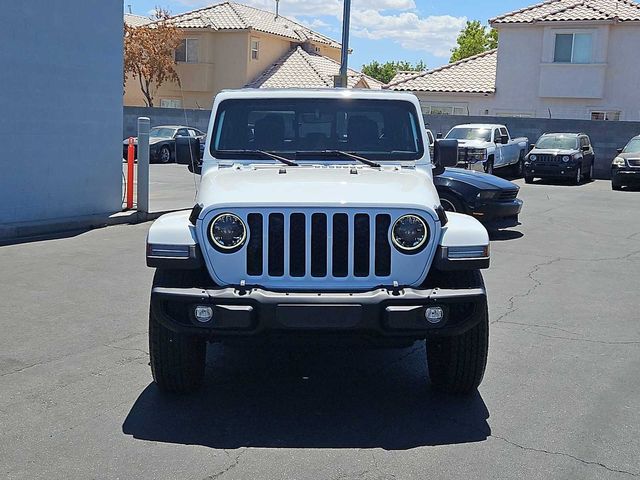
(629, 156)
(324, 186)
(478, 179)
(553, 151)
(473, 144)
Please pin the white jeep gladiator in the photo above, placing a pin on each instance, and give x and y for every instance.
(317, 219)
(487, 147)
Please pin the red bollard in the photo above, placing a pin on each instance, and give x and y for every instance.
(131, 153)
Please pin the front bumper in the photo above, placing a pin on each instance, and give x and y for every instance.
(552, 170)
(626, 176)
(498, 214)
(377, 314)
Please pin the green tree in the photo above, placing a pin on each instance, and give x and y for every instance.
(384, 72)
(474, 38)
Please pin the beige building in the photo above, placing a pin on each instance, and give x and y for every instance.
(230, 45)
(572, 59)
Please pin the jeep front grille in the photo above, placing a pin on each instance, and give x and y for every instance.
(546, 158)
(308, 248)
(338, 245)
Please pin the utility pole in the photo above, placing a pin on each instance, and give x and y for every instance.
(341, 81)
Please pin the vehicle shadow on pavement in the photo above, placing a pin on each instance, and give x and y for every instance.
(504, 235)
(281, 397)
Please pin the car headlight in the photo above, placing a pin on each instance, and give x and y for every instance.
(533, 158)
(227, 232)
(566, 158)
(409, 233)
(488, 194)
(619, 162)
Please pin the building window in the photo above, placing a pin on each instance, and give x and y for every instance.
(573, 48)
(444, 109)
(613, 115)
(255, 48)
(187, 51)
(170, 103)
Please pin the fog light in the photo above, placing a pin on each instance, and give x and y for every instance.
(203, 314)
(434, 314)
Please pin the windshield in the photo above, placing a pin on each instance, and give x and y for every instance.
(161, 132)
(482, 134)
(557, 142)
(300, 127)
(633, 146)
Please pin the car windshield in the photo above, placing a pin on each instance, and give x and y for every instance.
(557, 142)
(482, 134)
(162, 132)
(633, 146)
(310, 127)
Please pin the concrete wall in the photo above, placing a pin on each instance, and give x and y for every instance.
(61, 109)
(606, 137)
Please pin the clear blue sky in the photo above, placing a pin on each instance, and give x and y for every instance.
(381, 29)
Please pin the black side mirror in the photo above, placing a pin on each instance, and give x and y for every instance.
(445, 154)
(188, 153)
(532, 146)
(619, 150)
(585, 148)
(439, 135)
(504, 139)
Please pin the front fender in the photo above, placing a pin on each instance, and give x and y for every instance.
(172, 243)
(464, 244)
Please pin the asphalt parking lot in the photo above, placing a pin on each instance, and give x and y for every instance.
(561, 396)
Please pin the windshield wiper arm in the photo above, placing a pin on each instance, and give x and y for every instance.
(286, 161)
(366, 161)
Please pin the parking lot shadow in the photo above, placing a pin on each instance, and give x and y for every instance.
(315, 398)
(502, 235)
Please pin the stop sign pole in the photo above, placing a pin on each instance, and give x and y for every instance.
(341, 80)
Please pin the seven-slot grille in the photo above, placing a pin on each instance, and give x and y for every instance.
(318, 245)
(547, 158)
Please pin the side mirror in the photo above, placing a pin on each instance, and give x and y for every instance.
(619, 150)
(532, 146)
(188, 153)
(585, 148)
(445, 154)
(439, 135)
(504, 139)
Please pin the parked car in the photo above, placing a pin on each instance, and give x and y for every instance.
(275, 248)
(560, 155)
(490, 199)
(625, 168)
(488, 147)
(162, 142)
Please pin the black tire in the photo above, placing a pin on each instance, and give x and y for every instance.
(164, 154)
(489, 167)
(177, 360)
(578, 178)
(451, 203)
(528, 179)
(616, 186)
(457, 364)
(589, 175)
(518, 168)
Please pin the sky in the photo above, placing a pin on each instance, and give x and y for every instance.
(381, 30)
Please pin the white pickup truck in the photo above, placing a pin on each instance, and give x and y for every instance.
(487, 147)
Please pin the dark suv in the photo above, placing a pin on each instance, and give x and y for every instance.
(625, 168)
(560, 155)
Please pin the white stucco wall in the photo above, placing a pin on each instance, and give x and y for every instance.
(61, 115)
(529, 83)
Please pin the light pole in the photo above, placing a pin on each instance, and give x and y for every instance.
(344, 58)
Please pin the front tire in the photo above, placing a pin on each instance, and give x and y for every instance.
(457, 364)
(528, 179)
(489, 167)
(589, 176)
(578, 179)
(177, 360)
(164, 155)
(518, 169)
(451, 203)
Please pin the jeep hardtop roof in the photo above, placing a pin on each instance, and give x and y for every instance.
(314, 93)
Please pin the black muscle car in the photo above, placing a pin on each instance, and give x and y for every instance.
(162, 142)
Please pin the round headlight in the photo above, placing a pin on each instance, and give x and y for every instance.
(533, 158)
(227, 231)
(409, 233)
(566, 158)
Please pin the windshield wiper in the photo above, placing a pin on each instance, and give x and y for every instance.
(286, 161)
(366, 161)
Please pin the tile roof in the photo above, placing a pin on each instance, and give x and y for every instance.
(236, 16)
(301, 69)
(573, 11)
(135, 20)
(475, 74)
